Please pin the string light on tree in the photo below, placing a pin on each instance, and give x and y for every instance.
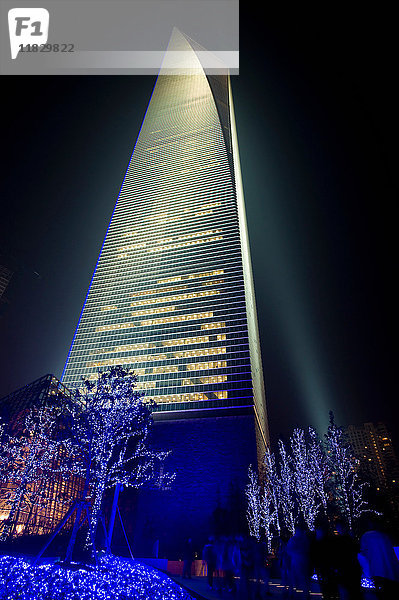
(109, 440)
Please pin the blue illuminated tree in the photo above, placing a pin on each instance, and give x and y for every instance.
(318, 468)
(110, 425)
(253, 494)
(28, 459)
(344, 484)
(303, 466)
(286, 490)
(262, 501)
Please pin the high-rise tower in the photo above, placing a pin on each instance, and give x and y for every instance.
(172, 294)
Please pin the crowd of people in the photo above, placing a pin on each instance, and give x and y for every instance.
(241, 566)
(238, 565)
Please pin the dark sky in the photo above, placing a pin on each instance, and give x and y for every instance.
(316, 112)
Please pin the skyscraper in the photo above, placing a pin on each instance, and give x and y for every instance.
(372, 444)
(172, 293)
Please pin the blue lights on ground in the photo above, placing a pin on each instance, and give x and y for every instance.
(112, 579)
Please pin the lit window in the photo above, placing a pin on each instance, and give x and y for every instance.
(175, 298)
(213, 325)
(189, 397)
(205, 380)
(148, 292)
(115, 326)
(177, 319)
(184, 244)
(167, 369)
(206, 274)
(199, 352)
(169, 280)
(202, 366)
(186, 341)
(153, 311)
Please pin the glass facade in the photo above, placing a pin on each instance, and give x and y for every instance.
(172, 294)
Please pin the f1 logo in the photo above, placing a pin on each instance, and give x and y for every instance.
(27, 26)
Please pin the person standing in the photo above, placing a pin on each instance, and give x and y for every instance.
(346, 565)
(209, 556)
(379, 562)
(298, 550)
(188, 559)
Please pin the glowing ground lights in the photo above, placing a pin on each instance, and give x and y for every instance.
(112, 579)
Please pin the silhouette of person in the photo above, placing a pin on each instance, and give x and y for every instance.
(188, 559)
(322, 561)
(379, 562)
(209, 556)
(346, 564)
(298, 550)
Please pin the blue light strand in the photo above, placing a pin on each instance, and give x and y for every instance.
(112, 579)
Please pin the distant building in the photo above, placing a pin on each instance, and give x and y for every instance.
(373, 446)
(60, 493)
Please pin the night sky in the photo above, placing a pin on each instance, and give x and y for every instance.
(316, 113)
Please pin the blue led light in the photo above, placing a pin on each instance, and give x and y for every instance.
(112, 579)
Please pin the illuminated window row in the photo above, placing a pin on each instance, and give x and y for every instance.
(219, 325)
(202, 366)
(213, 282)
(156, 291)
(184, 244)
(167, 369)
(171, 239)
(128, 360)
(235, 301)
(151, 237)
(133, 247)
(175, 298)
(132, 203)
(153, 311)
(94, 376)
(155, 357)
(150, 229)
(177, 319)
(186, 341)
(173, 208)
(106, 276)
(165, 217)
(132, 200)
(199, 352)
(191, 276)
(190, 397)
(108, 273)
(203, 339)
(125, 348)
(189, 236)
(229, 249)
(146, 385)
(110, 307)
(205, 380)
(162, 221)
(115, 326)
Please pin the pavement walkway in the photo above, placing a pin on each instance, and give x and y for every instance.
(198, 587)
